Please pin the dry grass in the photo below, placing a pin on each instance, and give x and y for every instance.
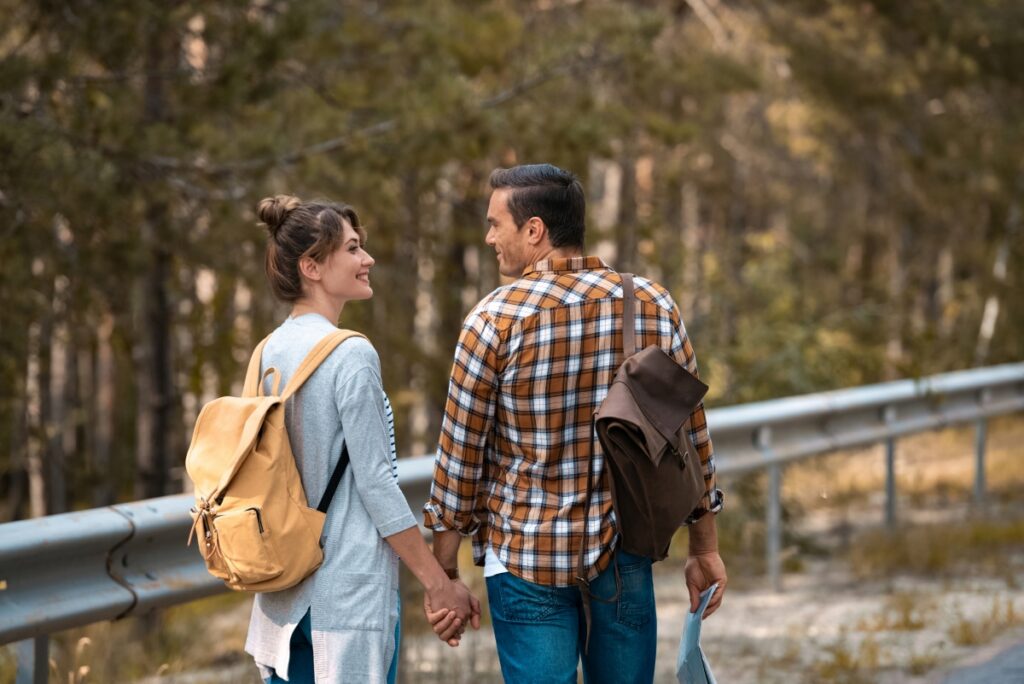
(978, 546)
(193, 636)
(968, 632)
(925, 661)
(903, 612)
(841, 663)
(931, 468)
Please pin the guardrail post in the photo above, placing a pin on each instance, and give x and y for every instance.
(980, 435)
(980, 439)
(33, 660)
(889, 415)
(773, 510)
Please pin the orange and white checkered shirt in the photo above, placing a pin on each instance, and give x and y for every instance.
(534, 361)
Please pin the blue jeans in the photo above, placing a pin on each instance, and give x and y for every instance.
(300, 662)
(541, 631)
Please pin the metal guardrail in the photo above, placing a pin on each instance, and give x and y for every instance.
(74, 569)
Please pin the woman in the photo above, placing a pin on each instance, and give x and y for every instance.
(340, 624)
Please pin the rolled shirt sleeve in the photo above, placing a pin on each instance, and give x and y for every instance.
(459, 464)
(700, 436)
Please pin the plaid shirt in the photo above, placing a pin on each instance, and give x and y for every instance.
(534, 361)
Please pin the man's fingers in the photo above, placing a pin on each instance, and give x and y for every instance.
(694, 597)
(475, 619)
(716, 600)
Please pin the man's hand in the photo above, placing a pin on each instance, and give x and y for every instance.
(701, 571)
(455, 608)
(704, 567)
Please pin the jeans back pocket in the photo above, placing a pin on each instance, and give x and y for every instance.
(516, 600)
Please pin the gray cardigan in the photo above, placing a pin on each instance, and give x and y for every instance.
(353, 597)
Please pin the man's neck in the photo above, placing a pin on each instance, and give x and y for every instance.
(554, 253)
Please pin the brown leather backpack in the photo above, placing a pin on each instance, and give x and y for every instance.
(643, 424)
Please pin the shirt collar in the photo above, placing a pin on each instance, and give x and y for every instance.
(563, 264)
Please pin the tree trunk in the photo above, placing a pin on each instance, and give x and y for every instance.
(17, 487)
(153, 359)
(153, 368)
(403, 352)
(734, 255)
(897, 283)
(944, 294)
(626, 231)
(58, 413)
(690, 259)
(103, 413)
(991, 312)
(36, 387)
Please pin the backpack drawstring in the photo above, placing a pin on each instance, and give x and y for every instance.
(203, 514)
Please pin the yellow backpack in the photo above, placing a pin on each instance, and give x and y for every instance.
(256, 530)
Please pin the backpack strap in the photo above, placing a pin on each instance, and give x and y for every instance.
(314, 358)
(582, 572)
(252, 375)
(332, 485)
(312, 361)
(628, 316)
(321, 350)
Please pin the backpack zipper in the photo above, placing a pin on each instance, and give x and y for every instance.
(259, 518)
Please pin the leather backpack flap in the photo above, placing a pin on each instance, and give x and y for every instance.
(664, 392)
(622, 425)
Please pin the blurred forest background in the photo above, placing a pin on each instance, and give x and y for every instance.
(831, 190)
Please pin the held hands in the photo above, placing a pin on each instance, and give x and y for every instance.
(457, 608)
(701, 571)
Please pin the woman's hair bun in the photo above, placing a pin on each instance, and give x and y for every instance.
(273, 211)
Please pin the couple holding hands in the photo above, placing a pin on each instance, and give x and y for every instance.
(533, 362)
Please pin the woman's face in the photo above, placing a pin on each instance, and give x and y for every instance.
(345, 274)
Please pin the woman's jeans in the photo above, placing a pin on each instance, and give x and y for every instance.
(300, 662)
(541, 631)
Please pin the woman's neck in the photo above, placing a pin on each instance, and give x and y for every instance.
(329, 310)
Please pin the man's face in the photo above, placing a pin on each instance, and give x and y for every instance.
(508, 240)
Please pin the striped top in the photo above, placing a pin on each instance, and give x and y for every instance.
(534, 361)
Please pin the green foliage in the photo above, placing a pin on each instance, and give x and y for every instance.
(854, 168)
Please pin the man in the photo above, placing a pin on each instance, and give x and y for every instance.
(534, 360)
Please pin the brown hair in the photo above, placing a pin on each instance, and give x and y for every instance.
(549, 193)
(299, 229)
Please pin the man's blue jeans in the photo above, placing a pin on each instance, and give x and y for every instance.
(541, 632)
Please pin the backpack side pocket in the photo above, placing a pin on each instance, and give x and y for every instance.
(247, 546)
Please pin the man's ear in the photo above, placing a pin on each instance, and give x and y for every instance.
(536, 231)
(309, 268)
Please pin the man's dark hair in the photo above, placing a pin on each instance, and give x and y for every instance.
(551, 194)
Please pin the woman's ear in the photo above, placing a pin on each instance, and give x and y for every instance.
(309, 268)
